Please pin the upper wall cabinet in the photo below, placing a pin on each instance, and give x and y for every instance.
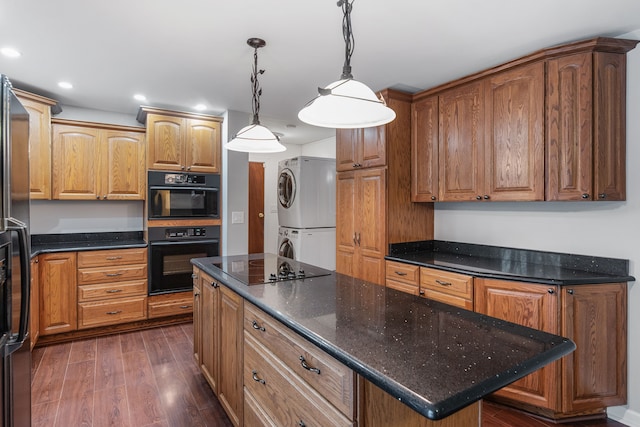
(39, 109)
(93, 161)
(179, 141)
(548, 126)
(360, 148)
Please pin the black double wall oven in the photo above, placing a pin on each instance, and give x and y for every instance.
(182, 212)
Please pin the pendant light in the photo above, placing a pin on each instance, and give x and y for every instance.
(255, 138)
(346, 103)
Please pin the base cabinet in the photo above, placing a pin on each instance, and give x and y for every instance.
(219, 313)
(588, 380)
(34, 312)
(58, 295)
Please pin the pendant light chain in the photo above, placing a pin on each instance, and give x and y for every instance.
(256, 89)
(349, 40)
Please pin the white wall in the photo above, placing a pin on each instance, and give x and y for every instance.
(322, 148)
(608, 229)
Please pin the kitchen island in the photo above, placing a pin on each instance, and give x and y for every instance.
(434, 358)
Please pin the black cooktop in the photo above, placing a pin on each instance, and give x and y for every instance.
(268, 268)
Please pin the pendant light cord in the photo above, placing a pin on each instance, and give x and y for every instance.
(349, 40)
(256, 89)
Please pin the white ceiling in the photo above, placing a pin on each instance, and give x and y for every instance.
(181, 53)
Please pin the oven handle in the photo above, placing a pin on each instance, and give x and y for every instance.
(181, 242)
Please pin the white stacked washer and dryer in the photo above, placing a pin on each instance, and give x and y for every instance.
(307, 210)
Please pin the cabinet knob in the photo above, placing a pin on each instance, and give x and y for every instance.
(189, 168)
(104, 197)
(551, 291)
(486, 197)
(181, 167)
(585, 195)
(478, 197)
(433, 197)
(421, 293)
(196, 294)
(98, 197)
(602, 196)
(301, 424)
(570, 291)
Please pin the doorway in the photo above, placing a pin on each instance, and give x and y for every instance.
(256, 207)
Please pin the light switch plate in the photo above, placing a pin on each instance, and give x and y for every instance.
(237, 217)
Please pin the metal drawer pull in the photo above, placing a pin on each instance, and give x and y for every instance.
(254, 375)
(215, 285)
(303, 362)
(113, 291)
(113, 274)
(400, 273)
(443, 283)
(257, 327)
(113, 258)
(114, 312)
(185, 306)
(301, 424)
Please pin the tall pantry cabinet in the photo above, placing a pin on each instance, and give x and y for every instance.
(373, 193)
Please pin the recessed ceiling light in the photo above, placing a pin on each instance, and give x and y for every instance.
(65, 85)
(10, 52)
(200, 107)
(139, 97)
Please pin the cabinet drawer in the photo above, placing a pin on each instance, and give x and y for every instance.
(281, 394)
(398, 271)
(446, 282)
(409, 288)
(170, 304)
(123, 310)
(112, 274)
(112, 257)
(334, 381)
(112, 290)
(254, 415)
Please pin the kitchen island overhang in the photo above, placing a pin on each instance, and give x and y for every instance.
(433, 357)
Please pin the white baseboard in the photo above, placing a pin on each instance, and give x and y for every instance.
(624, 415)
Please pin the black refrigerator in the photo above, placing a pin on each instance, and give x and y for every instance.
(15, 255)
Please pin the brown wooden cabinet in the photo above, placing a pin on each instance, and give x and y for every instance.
(547, 126)
(39, 109)
(34, 311)
(182, 141)
(97, 162)
(58, 294)
(112, 287)
(375, 206)
(586, 96)
(491, 138)
(220, 315)
(593, 316)
(197, 318)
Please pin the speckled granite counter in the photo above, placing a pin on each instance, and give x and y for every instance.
(512, 264)
(435, 358)
(69, 242)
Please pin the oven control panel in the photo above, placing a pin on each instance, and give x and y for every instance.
(172, 233)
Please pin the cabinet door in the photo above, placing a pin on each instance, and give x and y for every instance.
(39, 148)
(370, 224)
(210, 329)
(348, 142)
(34, 313)
(569, 126)
(373, 148)
(609, 124)
(58, 294)
(197, 317)
(76, 163)
(124, 170)
(461, 143)
(165, 142)
(345, 226)
(535, 306)
(514, 145)
(424, 150)
(230, 392)
(202, 151)
(595, 374)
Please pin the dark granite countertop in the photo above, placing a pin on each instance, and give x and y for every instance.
(495, 262)
(434, 357)
(70, 242)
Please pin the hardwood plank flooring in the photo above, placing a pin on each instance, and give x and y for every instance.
(137, 379)
(150, 379)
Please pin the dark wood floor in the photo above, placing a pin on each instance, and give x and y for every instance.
(150, 378)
